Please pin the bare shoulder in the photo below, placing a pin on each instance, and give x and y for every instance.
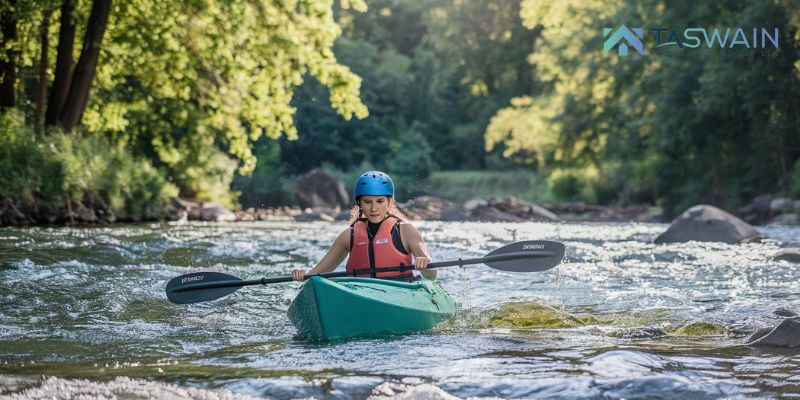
(406, 225)
(343, 239)
(407, 228)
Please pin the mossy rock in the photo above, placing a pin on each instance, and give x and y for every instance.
(698, 329)
(535, 315)
(531, 315)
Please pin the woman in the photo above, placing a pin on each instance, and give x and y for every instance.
(378, 236)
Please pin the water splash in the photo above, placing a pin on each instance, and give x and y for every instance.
(76, 302)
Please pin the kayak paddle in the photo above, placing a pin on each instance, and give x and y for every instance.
(526, 256)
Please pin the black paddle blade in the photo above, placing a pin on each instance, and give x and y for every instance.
(527, 256)
(191, 288)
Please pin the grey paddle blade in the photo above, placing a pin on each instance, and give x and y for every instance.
(201, 286)
(526, 256)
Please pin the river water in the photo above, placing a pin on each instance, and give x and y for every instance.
(83, 312)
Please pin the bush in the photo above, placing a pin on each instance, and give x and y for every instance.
(268, 185)
(574, 184)
(44, 174)
(21, 160)
(566, 186)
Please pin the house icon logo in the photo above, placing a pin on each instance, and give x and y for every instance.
(633, 37)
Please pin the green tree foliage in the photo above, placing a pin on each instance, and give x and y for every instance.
(433, 73)
(211, 81)
(481, 50)
(192, 92)
(450, 85)
(325, 137)
(677, 129)
(44, 177)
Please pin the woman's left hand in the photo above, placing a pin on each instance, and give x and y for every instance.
(421, 263)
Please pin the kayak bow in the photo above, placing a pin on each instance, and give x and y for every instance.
(348, 307)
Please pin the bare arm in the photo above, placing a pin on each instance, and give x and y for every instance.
(413, 243)
(334, 257)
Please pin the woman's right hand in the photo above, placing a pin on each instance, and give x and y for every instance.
(299, 275)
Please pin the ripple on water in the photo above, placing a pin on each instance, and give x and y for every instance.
(625, 317)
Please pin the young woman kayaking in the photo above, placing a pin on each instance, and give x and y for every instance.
(378, 236)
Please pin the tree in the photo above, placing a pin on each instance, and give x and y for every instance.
(193, 92)
(214, 79)
(82, 77)
(8, 64)
(63, 69)
(675, 129)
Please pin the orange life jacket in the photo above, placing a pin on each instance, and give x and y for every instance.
(366, 255)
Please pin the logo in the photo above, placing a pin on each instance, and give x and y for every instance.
(532, 247)
(632, 37)
(382, 241)
(193, 278)
(695, 37)
(729, 40)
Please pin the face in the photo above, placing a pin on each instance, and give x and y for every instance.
(375, 208)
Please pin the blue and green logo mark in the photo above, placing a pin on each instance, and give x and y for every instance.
(633, 37)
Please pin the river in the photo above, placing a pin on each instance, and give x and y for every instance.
(83, 311)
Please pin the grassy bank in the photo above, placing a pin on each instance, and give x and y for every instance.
(461, 186)
(458, 186)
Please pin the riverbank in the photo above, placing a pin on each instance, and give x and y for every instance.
(422, 208)
(764, 210)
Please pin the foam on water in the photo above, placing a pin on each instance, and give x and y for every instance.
(648, 320)
(57, 388)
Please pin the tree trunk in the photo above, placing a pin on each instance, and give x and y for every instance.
(8, 67)
(63, 72)
(84, 71)
(40, 98)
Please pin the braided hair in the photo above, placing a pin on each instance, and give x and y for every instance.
(394, 211)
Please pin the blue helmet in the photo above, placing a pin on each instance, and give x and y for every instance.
(374, 183)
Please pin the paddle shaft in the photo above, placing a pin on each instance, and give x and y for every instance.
(441, 264)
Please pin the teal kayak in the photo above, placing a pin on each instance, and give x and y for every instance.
(348, 307)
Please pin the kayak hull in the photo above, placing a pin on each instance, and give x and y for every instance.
(340, 308)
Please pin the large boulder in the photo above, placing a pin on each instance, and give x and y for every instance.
(318, 189)
(786, 334)
(216, 212)
(759, 211)
(705, 223)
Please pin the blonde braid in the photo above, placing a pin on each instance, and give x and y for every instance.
(398, 212)
(394, 211)
(355, 214)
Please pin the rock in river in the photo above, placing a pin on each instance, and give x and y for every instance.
(786, 334)
(704, 223)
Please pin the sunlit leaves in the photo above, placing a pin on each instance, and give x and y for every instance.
(178, 79)
(528, 125)
(702, 127)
